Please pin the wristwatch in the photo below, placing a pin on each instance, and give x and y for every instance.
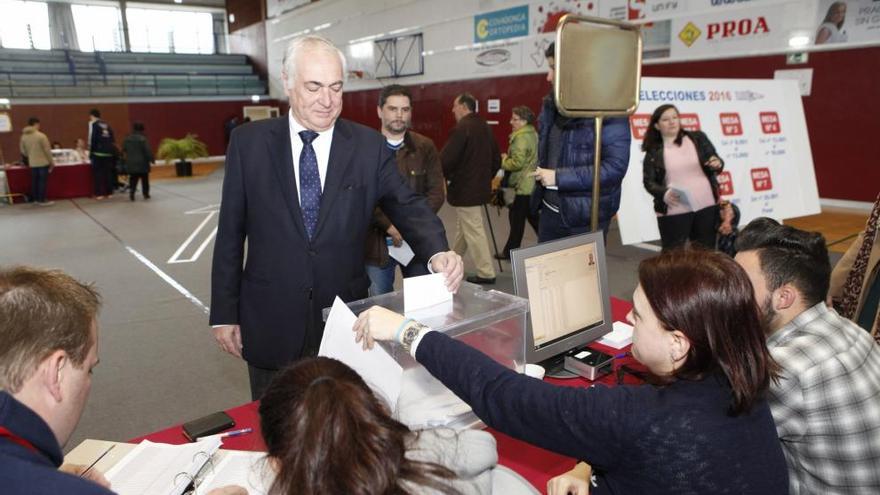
(410, 334)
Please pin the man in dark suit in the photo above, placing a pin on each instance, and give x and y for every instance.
(300, 190)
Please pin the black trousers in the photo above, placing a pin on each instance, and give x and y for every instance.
(102, 168)
(133, 184)
(699, 227)
(260, 378)
(519, 212)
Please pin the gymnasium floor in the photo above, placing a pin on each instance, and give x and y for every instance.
(151, 261)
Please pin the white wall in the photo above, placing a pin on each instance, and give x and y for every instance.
(451, 52)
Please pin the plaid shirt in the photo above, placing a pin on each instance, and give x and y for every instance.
(827, 405)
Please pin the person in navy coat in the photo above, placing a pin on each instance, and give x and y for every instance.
(299, 193)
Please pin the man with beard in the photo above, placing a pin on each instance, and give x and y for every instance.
(419, 164)
(827, 402)
(564, 193)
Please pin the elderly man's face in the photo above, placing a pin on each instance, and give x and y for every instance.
(316, 91)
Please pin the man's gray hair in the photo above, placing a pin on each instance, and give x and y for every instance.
(296, 46)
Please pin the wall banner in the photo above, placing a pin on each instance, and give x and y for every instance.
(501, 24)
(728, 31)
(851, 21)
(757, 127)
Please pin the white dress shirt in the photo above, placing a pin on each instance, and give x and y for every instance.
(321, 145)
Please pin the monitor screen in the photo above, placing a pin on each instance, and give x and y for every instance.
(566, 284)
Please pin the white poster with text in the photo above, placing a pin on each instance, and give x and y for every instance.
(757, 127)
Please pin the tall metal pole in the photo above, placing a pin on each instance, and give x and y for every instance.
(597, 163)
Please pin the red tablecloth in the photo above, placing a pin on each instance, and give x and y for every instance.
(65, 181)
(533, 463)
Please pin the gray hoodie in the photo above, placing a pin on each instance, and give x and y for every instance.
(472, 455)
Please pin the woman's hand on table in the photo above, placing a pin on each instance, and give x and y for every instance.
(376, 323)
(574, 482)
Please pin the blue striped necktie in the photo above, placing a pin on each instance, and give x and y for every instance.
(309, 183)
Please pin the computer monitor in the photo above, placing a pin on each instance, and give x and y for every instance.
(566, 284)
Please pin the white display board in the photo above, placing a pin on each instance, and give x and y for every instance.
(758, 129)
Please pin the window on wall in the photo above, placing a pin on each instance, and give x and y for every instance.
(98, 28)
(170, 31)
(24, 24)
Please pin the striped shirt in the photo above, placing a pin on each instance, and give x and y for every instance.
(827, 404)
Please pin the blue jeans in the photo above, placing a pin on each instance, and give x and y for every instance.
(382, 277)
(39, 180)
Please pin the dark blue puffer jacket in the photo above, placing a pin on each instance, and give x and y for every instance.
(574, 173)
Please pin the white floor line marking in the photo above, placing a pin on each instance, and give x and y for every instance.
(175, 257)
(167, 278)
(649, 247)
(205, 244)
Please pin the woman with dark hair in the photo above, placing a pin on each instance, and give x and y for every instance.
(705, 429)
(680, 170)
(137, 158)
(831, 30)
(520, 162)
(327, 432)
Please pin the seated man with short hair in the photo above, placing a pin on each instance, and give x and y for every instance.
(826, 405)
(48, 348)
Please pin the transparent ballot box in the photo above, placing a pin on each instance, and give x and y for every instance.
(490, 321)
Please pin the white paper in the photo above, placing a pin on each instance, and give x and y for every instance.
(620, 337)
(153, 468)
(403, 254)
(375, 366)
(425, 291)
(245, 469)
(683, 197)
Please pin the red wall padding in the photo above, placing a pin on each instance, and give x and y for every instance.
(66, 122)
(842, 112)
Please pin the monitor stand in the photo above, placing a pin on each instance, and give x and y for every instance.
(554, 367)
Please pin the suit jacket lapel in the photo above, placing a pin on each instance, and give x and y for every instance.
(278, 142)
(341, 150)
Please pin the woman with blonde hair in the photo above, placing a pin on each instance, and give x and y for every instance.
(520, 162)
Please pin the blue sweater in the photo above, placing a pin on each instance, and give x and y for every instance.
(23, 471)
(641, 439)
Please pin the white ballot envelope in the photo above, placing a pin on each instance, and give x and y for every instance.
(424, 292)
(403, 254)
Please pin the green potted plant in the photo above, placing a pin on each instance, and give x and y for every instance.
(182, 150)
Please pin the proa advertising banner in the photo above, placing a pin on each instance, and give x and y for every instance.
(501, 24)
(728, 32)
(757, 127)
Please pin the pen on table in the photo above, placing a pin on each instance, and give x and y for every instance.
(621, 356)
(82, 474)
(235, 433)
